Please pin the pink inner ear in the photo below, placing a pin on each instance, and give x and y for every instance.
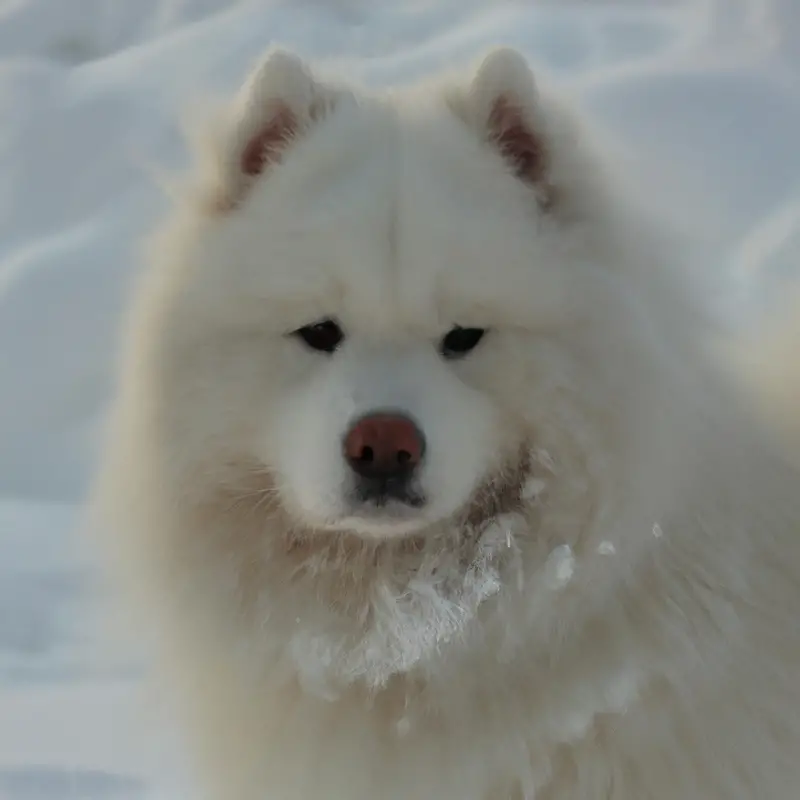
(265, 147)
(514, 138)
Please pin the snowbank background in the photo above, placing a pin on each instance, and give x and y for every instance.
(706, 91)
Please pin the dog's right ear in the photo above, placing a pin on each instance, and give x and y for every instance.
(278, 102)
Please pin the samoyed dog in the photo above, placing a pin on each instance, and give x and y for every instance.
(426, 474)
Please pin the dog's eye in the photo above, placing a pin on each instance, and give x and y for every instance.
(324, 336)
(458, 341)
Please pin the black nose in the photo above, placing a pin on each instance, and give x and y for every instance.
(384, 446)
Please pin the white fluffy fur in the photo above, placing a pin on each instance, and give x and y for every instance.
(598, 602)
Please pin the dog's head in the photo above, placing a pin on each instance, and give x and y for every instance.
(384, 325)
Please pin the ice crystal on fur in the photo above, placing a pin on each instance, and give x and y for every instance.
(532, 488)
(407, 621)
(623, 690)
(560, 567)
(543, 458)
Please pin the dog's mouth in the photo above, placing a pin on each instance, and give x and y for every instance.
(386, 512)
(387, 494)
(387, 522)
(384, 507)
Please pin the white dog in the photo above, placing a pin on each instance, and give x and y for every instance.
(425, 476)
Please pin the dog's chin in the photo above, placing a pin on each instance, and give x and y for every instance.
(391, 519)
(384, 524)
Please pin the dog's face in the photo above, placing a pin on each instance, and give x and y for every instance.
(392, 321)
(389, 389)
(388, 277)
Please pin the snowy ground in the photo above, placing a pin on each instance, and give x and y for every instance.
(89, 91)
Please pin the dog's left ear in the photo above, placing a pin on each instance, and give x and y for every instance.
(502, 103)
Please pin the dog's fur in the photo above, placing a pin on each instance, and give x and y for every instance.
(599, 599)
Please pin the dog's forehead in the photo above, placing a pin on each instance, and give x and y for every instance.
(410, 213)
(393, 218)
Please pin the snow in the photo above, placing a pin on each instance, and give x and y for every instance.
(704, 91)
